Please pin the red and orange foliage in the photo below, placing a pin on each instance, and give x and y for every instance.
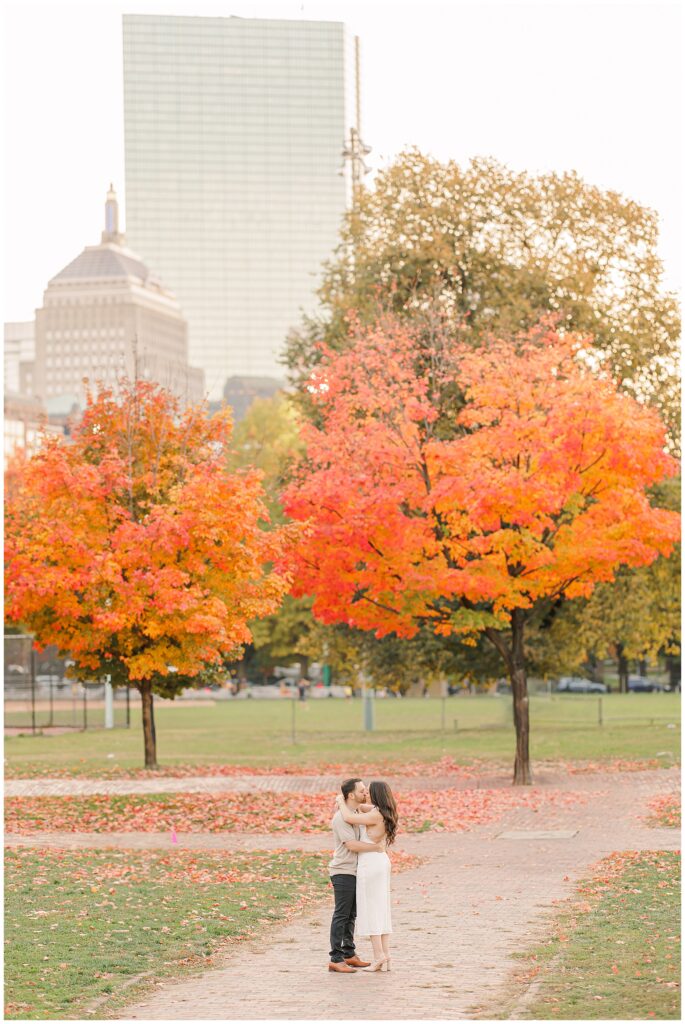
(530, 482)
(134, 549)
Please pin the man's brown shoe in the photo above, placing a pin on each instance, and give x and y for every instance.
(354, 961)
(341, 968)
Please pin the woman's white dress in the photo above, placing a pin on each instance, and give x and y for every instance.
(373, 891)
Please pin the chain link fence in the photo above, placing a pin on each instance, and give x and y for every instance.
(39, 697)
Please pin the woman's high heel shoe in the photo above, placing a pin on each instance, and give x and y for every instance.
(386, 966)
(377, 965)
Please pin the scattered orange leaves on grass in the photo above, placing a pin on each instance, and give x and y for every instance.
(448, 810)
(617, 765)
(608, 873)
(664, 811)
(444, 767)
(103, 870)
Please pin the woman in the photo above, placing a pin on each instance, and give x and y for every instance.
(377, 822)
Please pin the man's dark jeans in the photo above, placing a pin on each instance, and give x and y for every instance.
(344, 916)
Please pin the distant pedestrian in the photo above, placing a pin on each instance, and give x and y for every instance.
(302, 689)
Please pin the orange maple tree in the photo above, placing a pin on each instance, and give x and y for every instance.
(462, 487)
(136, 551)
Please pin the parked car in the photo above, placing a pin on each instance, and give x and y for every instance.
(576, 684)
(641, 684)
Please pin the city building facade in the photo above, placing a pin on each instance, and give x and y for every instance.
(236, 184)
(25, 423)
(106, 316)
(19, 356)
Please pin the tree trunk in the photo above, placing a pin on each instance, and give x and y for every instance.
(149, 735)
(592, 666)
(519, 689)
(514, 659)
(673, 664)
(622, 669)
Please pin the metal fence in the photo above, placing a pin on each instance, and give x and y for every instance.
(455, 716)
(38, 696)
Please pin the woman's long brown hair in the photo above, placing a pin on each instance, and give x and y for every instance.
(382, 798)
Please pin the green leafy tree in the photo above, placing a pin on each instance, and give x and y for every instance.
(496, 249)
(268, 438)
(637, 617)
(287, 636)
(396, 663)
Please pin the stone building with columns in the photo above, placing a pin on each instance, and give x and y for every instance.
(107, 316)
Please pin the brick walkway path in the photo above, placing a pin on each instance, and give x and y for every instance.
(478, 897)
(547, 778)
(458, 918)
(213, 784)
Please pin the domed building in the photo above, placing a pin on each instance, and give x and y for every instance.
(107, 316)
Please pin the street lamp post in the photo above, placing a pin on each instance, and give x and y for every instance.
(368, 707)
(109, 704)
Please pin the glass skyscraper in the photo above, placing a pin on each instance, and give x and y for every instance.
(233, 132)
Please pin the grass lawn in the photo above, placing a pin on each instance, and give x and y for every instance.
(80, 924)
(615, 951)
(259, 732)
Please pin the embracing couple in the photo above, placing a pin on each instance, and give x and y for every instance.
(364, 826)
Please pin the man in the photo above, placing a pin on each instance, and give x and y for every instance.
(343, 872)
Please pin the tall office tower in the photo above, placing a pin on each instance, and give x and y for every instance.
(234, 130)
(106, 315)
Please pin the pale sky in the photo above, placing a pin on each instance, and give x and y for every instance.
(593, 87)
